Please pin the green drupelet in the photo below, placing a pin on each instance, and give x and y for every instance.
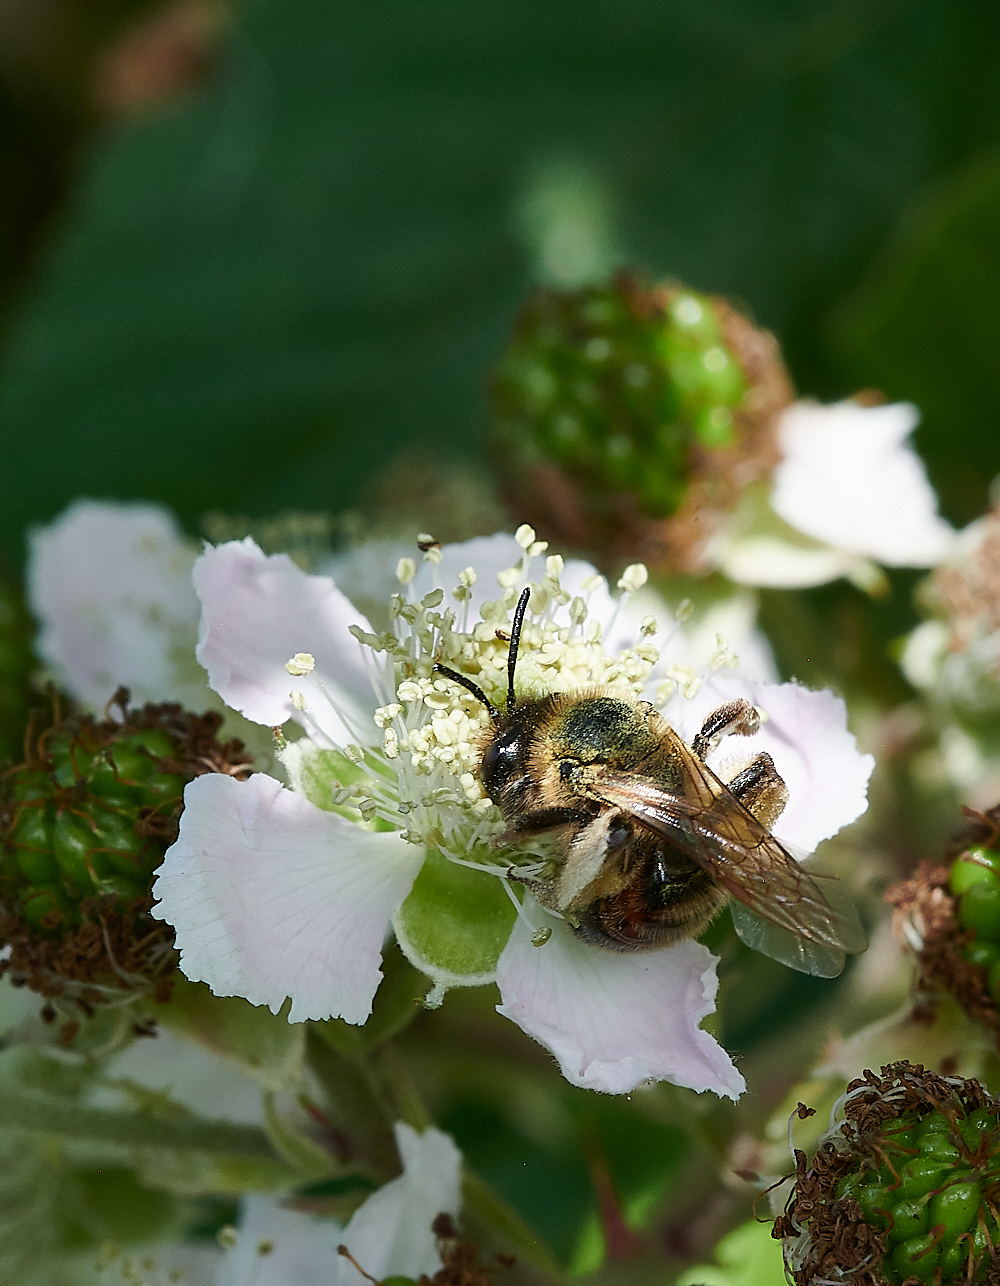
(974, 882)
(934, 1195)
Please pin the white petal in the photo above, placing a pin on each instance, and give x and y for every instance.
(271, 897)
(303, 1248)
(618, 617)
(111, 587)
(850, 479)
(366, 573)
(769, 561)
(694, 642)
(391, 1233)
(489, 555)
(806, 735)
(257, 613)
(615, 1019)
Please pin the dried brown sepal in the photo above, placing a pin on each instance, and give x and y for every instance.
(826, 1237)
(981, 828)
(925, 918)
(548, 497)
(459, 1259)
(967, 592)
(116, 948)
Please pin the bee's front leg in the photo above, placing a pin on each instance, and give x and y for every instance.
(760, 789)
(539, 822)
(736, 718)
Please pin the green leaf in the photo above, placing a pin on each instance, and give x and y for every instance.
(482, 1202)
(749, 1256)
(455, 923)
(924, 326)
(266, 1045)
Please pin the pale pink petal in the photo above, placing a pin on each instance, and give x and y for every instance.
(367, 574)
(489, 555)
(111, 587)
(850, 478)
(391, 1233)
(257, 613)
(272, 897)
(615, 1019)
(806, 735)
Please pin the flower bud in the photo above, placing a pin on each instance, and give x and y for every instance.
(623, 414)
(84, 823)
(903, 1186)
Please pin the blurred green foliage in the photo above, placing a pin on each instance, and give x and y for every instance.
(258, 295)
(925, 326)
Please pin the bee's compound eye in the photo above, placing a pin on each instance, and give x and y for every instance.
(500, 759)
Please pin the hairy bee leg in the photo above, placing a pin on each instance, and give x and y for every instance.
(545, 819)
(596, 861)
(734, 719)
(761, 790)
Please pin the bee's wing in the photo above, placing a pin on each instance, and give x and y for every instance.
(805, 920)
(816, 958)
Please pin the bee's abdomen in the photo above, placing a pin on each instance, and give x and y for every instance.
(660, 906)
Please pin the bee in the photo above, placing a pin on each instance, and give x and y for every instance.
(649, 843)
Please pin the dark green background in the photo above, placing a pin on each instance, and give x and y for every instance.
(257, 297)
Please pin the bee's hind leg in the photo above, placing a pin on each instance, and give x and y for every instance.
(760, 789)
(735, 718)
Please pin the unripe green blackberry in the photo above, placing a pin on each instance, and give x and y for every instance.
(84, 823)
(904, 1186)
(618, 408)
(949, 913)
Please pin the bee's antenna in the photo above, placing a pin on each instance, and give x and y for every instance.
(469, 686)
(515, 639)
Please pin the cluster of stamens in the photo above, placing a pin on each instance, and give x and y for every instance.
(423, 777)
